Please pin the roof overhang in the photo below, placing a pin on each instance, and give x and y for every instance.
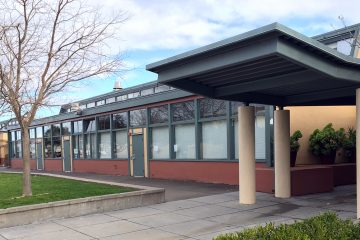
(271, 65)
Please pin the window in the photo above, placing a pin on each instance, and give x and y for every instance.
(47, 131)
(39, 132)
(120, 146)
(161, 88)
(184, 147)
(110, 100)
(78, 126)
(104, 122)
(120, 120)
(56, 141)
(90, 105)
(122, 97)
(89, 125)
(47, 147)
(147, 91)
(66, 128)
(212, 108)
(159, 114)
(32, 143)
(160, 143)
(133, 95)
(234, 107)
(138, 118)
(214, 140)
(101, 102)
(90, 145)
(105, 145)
(259, 134)
(78, 146)
(184, 111)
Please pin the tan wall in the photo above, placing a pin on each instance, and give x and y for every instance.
(307, 119)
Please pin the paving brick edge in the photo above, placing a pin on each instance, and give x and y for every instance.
(81, 206)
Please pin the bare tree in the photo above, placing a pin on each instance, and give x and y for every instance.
(45, 47)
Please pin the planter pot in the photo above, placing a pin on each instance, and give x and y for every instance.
(293, 158)
(328, 159)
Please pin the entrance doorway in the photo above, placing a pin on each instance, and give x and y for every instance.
(137, 156)
(67, 163)
(39, 155)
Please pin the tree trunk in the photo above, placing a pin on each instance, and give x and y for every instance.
(26, 162)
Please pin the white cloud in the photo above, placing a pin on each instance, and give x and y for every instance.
(181, 24)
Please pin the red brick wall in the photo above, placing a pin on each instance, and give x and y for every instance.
(18, 164)
(53, 165)
(211, 172)
(112, 167)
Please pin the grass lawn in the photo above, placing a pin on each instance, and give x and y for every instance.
(49, 189)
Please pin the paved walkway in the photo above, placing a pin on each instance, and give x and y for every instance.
(196, 218)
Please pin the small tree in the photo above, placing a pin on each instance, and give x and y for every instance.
(46, 46)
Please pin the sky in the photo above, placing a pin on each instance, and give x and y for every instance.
(157, 29)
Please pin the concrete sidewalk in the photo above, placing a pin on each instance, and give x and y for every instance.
(196, 218)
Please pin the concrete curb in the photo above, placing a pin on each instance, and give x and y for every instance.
(81, 206)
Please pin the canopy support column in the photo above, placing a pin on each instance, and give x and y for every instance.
(282, 153)
(246, 131)
(358, 153)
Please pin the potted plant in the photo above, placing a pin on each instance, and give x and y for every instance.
(349, 145)
(294, 146)
(325, 142)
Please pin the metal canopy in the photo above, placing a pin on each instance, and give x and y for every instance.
(271, 65)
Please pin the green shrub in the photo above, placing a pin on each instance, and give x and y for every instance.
(294, 141)
(326, 141)
(349, 143)
(326, 226)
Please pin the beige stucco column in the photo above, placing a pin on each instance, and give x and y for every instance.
(282, 153)
(247, 179)
(358, 152)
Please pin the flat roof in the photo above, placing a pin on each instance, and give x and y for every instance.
(272, 65)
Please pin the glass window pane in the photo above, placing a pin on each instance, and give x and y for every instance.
(161, 88)
(18, 135)
(78, 146)
(56, 130)
(212, 108)
(32, 149)
(133, 95)
(259, 134)
(13, 136)
(90, 105)
(160, 143)
(78, 126)
(57, 147)
(120, 120)
(87, 146)
(66, 128)
(105, 145)
(159, 114)
(32, 133)
(147, 91)
(47, 131)
(185, 141)
(89, 125)
(101, 102)
(18, 149)
(110, 100)
(93, 145)
(137, 118)
(184, 111)
(39, 132)
(214, 140)
(47, 147)
(122, 97)
(104, 122)
(121, 147)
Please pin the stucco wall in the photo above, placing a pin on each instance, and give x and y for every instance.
(307, 119)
